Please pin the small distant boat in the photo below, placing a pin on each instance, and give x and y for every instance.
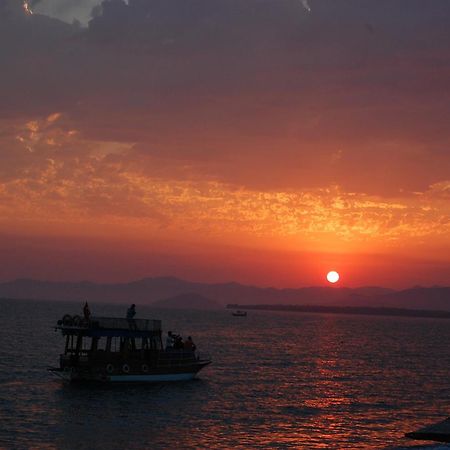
(239, 313)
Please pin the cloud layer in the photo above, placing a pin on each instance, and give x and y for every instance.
(257, 81)
(56, 174)
(230, 118)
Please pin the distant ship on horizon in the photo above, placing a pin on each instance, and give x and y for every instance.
(239, 313)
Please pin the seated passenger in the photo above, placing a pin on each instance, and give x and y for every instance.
(178, 342)
(189, 344)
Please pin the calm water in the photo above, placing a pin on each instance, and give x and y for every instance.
(278, 381)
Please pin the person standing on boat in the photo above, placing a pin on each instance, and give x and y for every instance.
(86, 311)
(131, 312)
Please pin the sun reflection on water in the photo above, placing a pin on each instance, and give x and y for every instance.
(277, 381)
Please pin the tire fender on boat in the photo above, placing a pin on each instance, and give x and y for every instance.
(144, 368)
(67, 320)
(109, 368)
(126, 368)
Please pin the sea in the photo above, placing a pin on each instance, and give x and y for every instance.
(278, 380)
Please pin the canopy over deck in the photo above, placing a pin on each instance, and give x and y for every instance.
(115, 323)
(109, 326)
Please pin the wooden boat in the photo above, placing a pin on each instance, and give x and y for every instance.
(239, 313)
(110, 349)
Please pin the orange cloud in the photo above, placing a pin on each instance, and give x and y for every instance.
(78, 181)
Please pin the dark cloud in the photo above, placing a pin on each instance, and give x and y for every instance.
(10, 8)
(263, 82)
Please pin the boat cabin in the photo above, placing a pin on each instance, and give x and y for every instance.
(112, 339)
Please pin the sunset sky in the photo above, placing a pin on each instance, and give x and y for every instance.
(260, 141)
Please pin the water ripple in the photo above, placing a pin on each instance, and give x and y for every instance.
(278, 381)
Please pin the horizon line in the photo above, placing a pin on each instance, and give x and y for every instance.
(325, 286)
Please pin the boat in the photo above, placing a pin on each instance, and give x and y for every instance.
(239, 313)
(108, 349)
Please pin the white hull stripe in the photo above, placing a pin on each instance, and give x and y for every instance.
(154, 378)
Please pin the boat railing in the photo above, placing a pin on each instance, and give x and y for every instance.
(172, 358)
(108, 323)
(112, 323)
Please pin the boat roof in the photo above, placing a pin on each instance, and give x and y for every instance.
(109, 326)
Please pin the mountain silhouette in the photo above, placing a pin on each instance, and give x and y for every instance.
(150, 290)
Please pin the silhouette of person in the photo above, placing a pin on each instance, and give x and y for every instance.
(189, 344)
(131, 312)
(86, 311)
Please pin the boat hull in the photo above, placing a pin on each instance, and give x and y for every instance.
(71, 374)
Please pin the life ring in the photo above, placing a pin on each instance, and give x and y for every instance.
(67, 320)
(144, 368)
(109, 368)
(126, 368)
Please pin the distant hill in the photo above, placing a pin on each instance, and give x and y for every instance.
(150, 290)
(418, 298)
(190, 301)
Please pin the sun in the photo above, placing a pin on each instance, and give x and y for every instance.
(333, 276)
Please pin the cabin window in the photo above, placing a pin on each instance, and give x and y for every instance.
(72, 345)
(86, 344)
(155, 343)
(101, 344)
(115, 344)
(127, 344)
